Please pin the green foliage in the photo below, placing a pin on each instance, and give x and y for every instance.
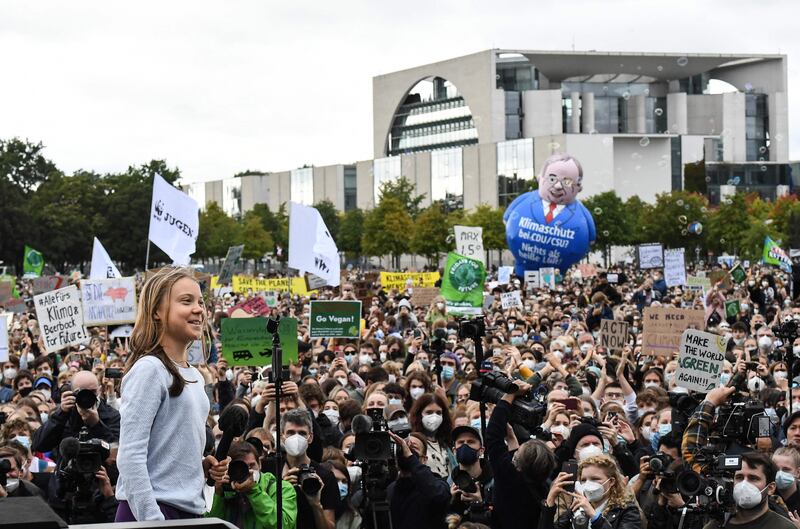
(219, 231)
(668, 220)
(728, 225)
(611, 220)
(257, 241)
(387, 229)
(491, 220)
(403, 191)
(430, 233)
(694, 177)
(637, 210)
(350, 232)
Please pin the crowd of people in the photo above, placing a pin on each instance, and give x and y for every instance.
(583, 437)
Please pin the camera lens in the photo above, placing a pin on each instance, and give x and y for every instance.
(238, 471)
(689, 483)
(85, 399)
(310, 485)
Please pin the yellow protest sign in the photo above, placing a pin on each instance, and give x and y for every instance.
(398, 279)
(243, 284)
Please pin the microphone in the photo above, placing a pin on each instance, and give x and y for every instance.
(69, 448)
(232, 422)
(361, 424)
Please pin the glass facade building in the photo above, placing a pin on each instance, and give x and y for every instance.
(447, 178)
(232, 197)
(748, 178)
(302, 186)
(756, 127)
(350, 188)
(384, 170)
(515, 170)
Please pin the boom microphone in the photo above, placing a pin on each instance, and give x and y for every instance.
(232, 422)
(69, 448)
(361, 424)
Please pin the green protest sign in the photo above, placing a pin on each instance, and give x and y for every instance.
(335, 319)
(245, 341)
(462, 285)
(732, 308)
(738, 274)
(33, 262)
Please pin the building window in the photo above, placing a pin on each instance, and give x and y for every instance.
(515, 170)
(232, 197)
(756, 127)
(384, 170)
(677, 163)
(447, 178)
(350, 188)
(606, 115)
(302, 186)
(513, 115)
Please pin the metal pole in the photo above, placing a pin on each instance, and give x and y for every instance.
(147, 256)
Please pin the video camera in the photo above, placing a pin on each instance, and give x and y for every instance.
(526, 410)
(661, 465)
(714, 488)
(740, 421)
(81, 458)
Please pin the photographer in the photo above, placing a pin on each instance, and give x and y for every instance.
(11, 469)
(519, 483)
(417, 498)
(80, 407)
(249, 500)
(472, 480)
(316, 504)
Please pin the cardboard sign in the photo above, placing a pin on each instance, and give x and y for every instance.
(398, 280)
(698, 281)
(243, 284)
(6, 288)
(613, 334)
(314, 282)
(335, 319)
(469, 242)
(246, 342)
(651, 256)
(510, 300)
(674, 267)
(504, 275)
(738, 274)
(613, 278)
(587, 270)
(231, 260)
(108, 301)
(732, 308)
(720, 276)
(532, 280)
(254, 306)
(663, 326)
(60, 315)
(4, 337)
(488, 300)
(15, 305)
(700, 360)
(47, 283)
(548, 277)
(423, 297)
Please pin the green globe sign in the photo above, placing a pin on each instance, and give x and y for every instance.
(462, 285)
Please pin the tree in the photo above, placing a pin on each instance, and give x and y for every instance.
(217, 232)
(387, 230)
(610, 219)
(405, 192)
(430, 233)
(667, 222)
(257, 241)
(494, 229)
(327, 211)
(350, 232)
(637, 210)
(727, 225)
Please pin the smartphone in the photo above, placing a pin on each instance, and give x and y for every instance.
(764, 427)
(417, 333)
(113, 372)
(570, 467)
(752, 366)
(570, 404)
(611, 416)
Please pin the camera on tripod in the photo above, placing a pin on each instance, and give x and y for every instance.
(743, 422)
(372, 438)
(714, 489)
(474, 328)
(84, 456)
(526, 411)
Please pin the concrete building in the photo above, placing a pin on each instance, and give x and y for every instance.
(476, 129)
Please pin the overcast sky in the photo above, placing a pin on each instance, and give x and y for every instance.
(219, 87)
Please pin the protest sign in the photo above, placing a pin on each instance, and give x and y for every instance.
(245, 341)
(231, 260)
(60, 316)
(612, 278)
(15, 305)
(732, 308)
(4, 337)
(254, 306)
(102, 265)
(720, 276)
(698, 281)
(311, 247)
(123, 331)
(510, 300)
(6, 288)
(547, 276)
(531, 279)
(287, 330)
(469, 242)
(651, 256)
(488, 300)
(462, 285)
(390, 280)
(335, 319)
(195, 352)
(738, 274)
(674, 267)
(700, 360)
(314, 282)
(108, 301)
(663, 327)
(423, 297)
(243, 284)
(504, 275)
(587, 270)
(613, 334)
(32, 262)
(174, 221)
(47, 283)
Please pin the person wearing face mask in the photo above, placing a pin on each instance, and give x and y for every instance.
(15, 486)
(8, 375)
(347, 515)
(754, 483)
(314, 510)
(787, 461)
(469, 450)
(451, 366)
(252, 502)
(600, 497)
(436, 312)
(430, 416)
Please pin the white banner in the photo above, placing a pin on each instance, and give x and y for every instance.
(311, 247)
(60, 316)
(504, 275)
(469, 242)
(102, 265)
(4, 337)
(674, 267)
(510, 299)
(174, 221)
(532, 279)
(651, 256)
(109, 301)
(547, 276)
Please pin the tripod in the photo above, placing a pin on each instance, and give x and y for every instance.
(277, 379)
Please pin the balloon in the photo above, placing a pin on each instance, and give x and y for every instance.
(550, 227)
(695, 228)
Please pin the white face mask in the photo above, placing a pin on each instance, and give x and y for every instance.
(12, 484)
(585, 348)
(382, 357)
(780, 375)
(561, 430)
(755, 384)
(651, 384)
(416, 392)
(746, 495)
(296, 445)
(332, 415)
(364, 359)
(9, 373)
(342, 381)
(229, 375)
(765, 342)
(440, 306)
(530, 364)
(432, 422)
(592, 490)
(589, 451)
(355, 474)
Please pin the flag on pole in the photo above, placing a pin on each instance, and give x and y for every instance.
(33, 262)
(775, 255)
(174, 221)
(311, 247)
(102, 265)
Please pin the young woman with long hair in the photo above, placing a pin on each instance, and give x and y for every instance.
(164, 406)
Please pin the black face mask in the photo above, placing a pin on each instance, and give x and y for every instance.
(466, 455)
(24, 392)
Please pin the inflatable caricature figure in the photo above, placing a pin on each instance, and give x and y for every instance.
(549, 227)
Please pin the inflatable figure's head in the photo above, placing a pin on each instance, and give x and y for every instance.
(561, 179)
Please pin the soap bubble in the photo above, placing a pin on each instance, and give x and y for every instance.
(722, 240)
(605, 233)
(660, 68)
(553, 145)
(779, 137)
(684, 232)
(708, 180)
(748, 87)
(593, 131)
(763, 168)
(695, 228)
(682, 219)
(762, 149)
(647, 91)
(626, 95)
(736, 180)
(659, 111)
(644, 142)
(687, 207)
(682, 61)
(680, 202)
(598, 211)
(704, 209)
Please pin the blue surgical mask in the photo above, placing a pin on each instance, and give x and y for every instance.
(313, 371)
(343, 490)
(517, 340)
(476, 423)
(724, 378)
(448, 372)
(395, 402)
(664, 429)
(24, 440)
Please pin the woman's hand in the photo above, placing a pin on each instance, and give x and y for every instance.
(558, 487)
(580, 502)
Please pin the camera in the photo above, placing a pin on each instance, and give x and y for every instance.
(471, 328)
(5, 468)
(714, 488)
(306, 478)
(526, 411)
(660, 465)
(742, 422)
(464, 481)
(85, 399)
(238, 471)
(81, 459)
(372, 439)
(113, 372)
